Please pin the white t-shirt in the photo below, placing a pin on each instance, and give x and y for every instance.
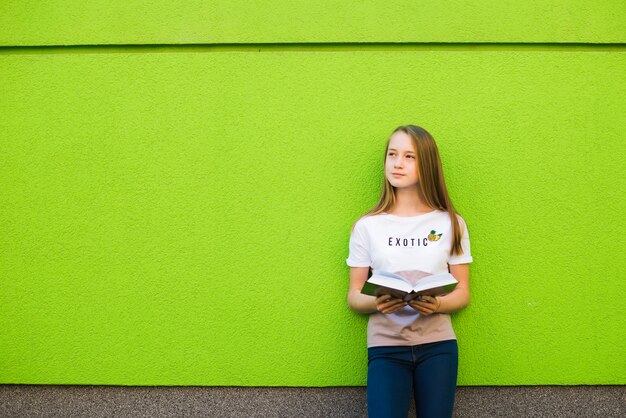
(413, 246)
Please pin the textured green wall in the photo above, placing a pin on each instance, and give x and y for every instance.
(72, 22)
(182, 218)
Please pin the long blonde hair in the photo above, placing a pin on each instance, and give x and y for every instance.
(431, 181)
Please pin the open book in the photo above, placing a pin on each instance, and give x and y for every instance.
(407, 288)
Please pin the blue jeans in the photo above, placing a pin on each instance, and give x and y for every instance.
(429, 371)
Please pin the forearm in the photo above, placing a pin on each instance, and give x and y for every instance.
(361, 303)
(454, 301)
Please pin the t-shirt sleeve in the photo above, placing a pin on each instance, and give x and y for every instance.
(466, 257)
(359, 255)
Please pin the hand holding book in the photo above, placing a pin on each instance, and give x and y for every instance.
(428, 305)
(386, 304)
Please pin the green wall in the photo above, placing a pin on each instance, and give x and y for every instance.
(180, 215)
(74, 22)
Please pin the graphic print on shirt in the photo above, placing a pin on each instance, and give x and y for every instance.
(414, 242)
(433, 236)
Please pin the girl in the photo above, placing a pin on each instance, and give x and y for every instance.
(413, 231)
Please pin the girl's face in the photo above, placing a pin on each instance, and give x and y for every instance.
(401, 161)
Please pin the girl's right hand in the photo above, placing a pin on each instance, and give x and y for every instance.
(386, 304)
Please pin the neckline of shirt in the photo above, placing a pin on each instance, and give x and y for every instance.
(409, 218)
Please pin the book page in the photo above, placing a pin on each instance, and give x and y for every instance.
(391, 282)
(431, 285)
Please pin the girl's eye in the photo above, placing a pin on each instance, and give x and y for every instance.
(391, 154)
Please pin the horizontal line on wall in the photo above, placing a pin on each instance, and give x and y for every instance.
(309, 47)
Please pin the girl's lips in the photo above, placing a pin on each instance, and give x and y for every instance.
(397, 175)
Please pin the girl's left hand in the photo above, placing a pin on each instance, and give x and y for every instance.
(428, 304)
